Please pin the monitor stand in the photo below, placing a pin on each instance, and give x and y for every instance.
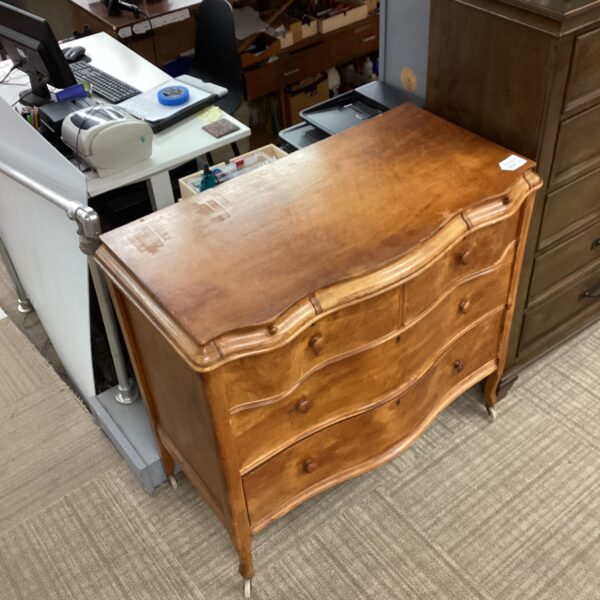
(39, 94)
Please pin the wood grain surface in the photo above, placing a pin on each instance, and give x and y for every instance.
(237, 257)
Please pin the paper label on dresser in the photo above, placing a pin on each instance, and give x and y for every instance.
(512, 163)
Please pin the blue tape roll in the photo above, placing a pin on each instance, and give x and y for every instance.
(173, 95)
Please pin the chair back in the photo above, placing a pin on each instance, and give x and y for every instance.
(216, 56)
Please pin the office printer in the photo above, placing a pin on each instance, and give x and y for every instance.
(107, 138)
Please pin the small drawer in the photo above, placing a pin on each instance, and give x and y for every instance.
(564, 259)
(263, 376)
(357, 40)
(365, 379)
(570, 207)
(583, 293)
(578, 147)
(478, 251)
(584, 80)
(363, 442)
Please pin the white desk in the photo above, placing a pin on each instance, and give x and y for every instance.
(172, 147)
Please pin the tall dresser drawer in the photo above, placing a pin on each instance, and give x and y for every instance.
(478, 251)
(583, 293)
(570, 207)
(356, 444)
(265, 375)
(365, 379)
(584, 80)
(578, 146)
(566, 258)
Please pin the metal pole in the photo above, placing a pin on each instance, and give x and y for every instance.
(88, 229)
(23, 303)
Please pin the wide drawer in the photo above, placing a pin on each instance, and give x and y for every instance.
(476, 252)
(367, 378)
(583, 293)
(263, 376)
(564, 259)
(366, 440)
(584, 80)
(578, 146)
(569, 207)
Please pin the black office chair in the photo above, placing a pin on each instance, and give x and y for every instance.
(216, 59)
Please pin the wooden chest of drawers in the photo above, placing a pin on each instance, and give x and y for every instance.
(483, 54)
(299, 327)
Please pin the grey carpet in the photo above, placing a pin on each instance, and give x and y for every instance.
(503, 511)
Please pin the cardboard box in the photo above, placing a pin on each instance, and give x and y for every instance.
(359, 12)
(304, 94)
(188, 185)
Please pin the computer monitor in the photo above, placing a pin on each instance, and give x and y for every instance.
(29, 42)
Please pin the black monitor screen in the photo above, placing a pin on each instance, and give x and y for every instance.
(29, 42)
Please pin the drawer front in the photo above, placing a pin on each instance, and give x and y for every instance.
(578, 146)
(476, 252)
(366, 440)
(566, 258)
(570, 206)
(358, 40)
(366, 379)
(584, 80)
(266, 375)
(582, 294)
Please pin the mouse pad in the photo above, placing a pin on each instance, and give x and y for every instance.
(220, 128)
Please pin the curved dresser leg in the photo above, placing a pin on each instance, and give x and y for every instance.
(243, 545)
(490, 391)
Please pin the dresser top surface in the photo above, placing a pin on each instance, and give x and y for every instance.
(237, 256)
(555, 9)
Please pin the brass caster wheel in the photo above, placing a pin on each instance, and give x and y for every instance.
(248, 588)
(173, 481)
(492, 414)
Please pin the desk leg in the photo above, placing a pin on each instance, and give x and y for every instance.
(161, 193)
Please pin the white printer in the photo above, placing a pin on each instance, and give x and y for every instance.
(107, 138)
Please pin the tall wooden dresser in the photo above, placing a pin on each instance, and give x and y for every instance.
(526, 74)
(297, 327)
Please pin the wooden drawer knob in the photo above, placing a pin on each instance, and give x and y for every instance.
(464, 258)
(459, 365)
(303, 405)
(465, 306)
(309, 465)
(317, 343)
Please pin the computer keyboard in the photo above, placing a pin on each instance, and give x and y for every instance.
(104, 85)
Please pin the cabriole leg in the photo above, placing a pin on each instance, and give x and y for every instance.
(491, 394)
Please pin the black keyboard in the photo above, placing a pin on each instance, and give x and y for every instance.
(106, 86)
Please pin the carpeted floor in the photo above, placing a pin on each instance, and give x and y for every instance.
(503, 511)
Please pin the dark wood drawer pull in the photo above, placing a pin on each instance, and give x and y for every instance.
(303, 405)
(596, 244)
(309, 465)
(459, 365)
(369, 38)
(317, 343)
(592, 292)
(291, 72)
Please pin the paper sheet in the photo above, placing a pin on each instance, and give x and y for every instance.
(247, 22)
(147, 106)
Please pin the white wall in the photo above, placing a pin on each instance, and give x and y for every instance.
(43, 243)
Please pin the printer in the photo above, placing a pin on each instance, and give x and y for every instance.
(107, 138)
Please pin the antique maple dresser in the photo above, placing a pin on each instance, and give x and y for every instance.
(301, 325)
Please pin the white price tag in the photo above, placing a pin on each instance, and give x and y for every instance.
(512, 163)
